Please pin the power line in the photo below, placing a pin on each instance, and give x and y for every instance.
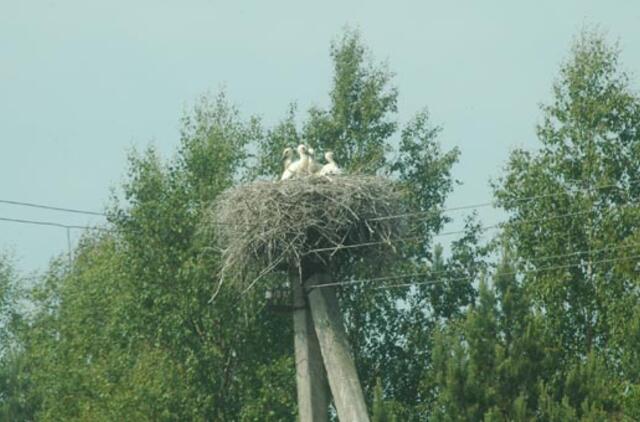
(51, 224)
(437, 281)
(442, 234)
(443, 210)
(52, 208)
(539, 259)
(317, 250)
(67, 227)
(325, 249)
(487, 204)
(62, 209)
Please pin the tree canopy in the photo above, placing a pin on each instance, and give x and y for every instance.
(542, 323)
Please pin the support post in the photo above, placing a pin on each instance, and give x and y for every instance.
(336, 353)
(311, 379)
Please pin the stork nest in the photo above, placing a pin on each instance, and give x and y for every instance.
(266, 226)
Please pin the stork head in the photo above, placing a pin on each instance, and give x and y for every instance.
(287, 153)
(329, 156)
(302, 150)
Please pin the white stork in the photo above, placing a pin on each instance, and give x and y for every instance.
(300, 167)
(331, 167)
(287, 155)
(314, 166)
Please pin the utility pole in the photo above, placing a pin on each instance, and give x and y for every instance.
(336, 353)
(311, 379)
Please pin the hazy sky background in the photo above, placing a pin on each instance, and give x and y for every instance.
(82, 82)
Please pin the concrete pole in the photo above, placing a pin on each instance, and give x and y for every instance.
(336, 353)
(311, 379)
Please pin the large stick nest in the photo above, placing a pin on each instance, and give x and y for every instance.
(265, 226)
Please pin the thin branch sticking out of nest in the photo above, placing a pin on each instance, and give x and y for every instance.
(264, 226)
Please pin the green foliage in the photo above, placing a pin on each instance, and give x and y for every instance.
(14, 403)
(360, 126)
(272, 398)
(574, 245)
(483, 365)
(7, 301)
(381, 410)
(127, 331)
(498, 364)
(584, 221)
(584, 178)
(359, 122)
(425, 170)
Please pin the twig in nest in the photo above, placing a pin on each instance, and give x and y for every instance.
(263, 226)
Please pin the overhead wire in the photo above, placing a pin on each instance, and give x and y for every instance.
(403, 215)
(65, 226)
(51, 208)
(364, 244)
(49, 223)
(467, 278)
(489, 203)
(539, 259)
(442, 234)
(317, 250)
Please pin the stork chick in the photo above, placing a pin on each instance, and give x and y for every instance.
(300, 167)
(287, 155)
(314, 166)
(331, 167)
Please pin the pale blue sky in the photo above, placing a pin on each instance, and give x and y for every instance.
(81, 82)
